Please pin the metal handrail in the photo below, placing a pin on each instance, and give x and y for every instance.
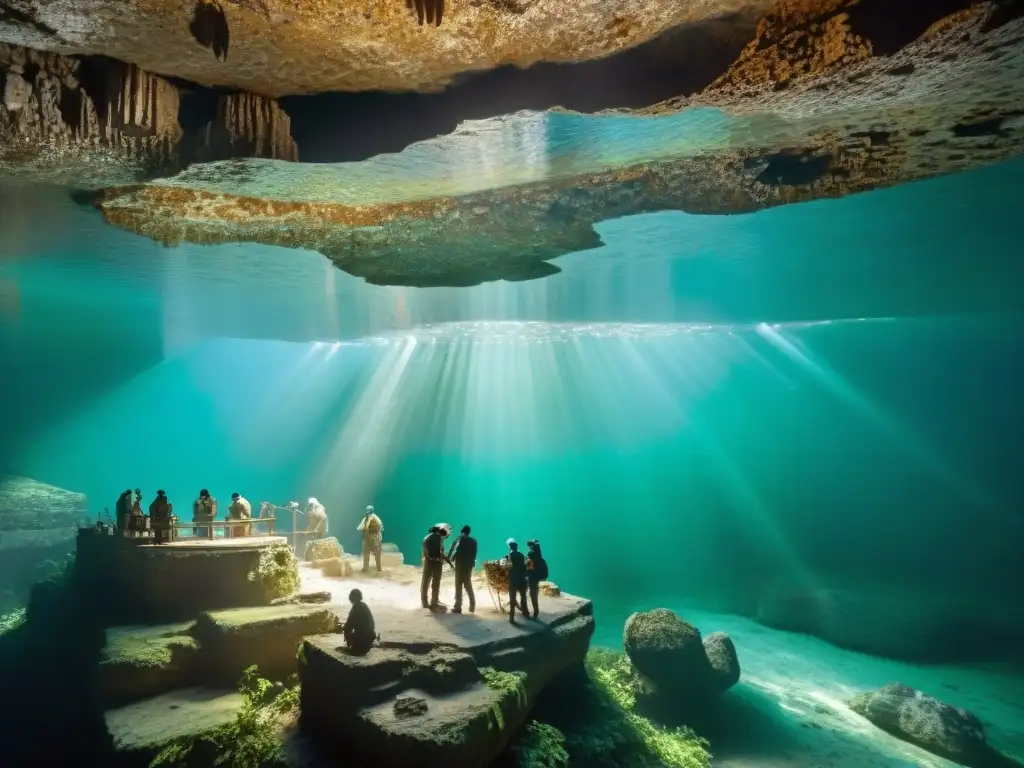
(211, 524)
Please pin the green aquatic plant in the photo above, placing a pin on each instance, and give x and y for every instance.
(12, 620)
(608, 730)
(542, 746)
(253, 740)
(505, 683)
(277, 571)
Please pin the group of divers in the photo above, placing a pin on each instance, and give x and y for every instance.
(525, 572)
(162, 521)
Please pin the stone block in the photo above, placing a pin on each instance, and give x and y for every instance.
(269, 637)
(142, 662)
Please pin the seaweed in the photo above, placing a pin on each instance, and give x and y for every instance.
(253, 740)
(277, 572)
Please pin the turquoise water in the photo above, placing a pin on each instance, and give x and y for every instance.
(804, 389)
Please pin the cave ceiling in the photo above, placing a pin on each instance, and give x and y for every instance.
(732, 107)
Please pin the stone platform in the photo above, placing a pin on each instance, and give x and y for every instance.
(440, 686)
(145, 583)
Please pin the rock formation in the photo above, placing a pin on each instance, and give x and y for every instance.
(674, 664)
(819, 105)
(947, 731)
(94, 122)
(453, 692)
(38, 523)
(276, 47)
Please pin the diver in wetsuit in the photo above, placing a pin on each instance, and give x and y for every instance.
(433, 560)
(516, 580)
(536, 572)
(359, 630)
(463, 554)
(123, 510)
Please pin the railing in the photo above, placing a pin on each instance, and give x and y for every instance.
(209, 527)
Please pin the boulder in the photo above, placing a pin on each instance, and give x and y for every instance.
(948, 731)
(322, 549)
(269, 637)
(440, 689)
(667, 652)
(339, 567)
(725, 664)
(141, 662)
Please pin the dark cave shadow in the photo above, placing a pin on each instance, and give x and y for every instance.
(431, 11)
(343, 127)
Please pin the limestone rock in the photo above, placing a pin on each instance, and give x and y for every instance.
(277, 47)
(339, 567)
(142, 662)
(725, 664)
(323, 549)
(449, 690)
(269, 637)
(824, 102)
(247, 125)
(96, 121)
(34, 514)
(947, 731)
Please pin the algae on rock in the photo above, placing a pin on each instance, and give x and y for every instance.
(253, 740)
(277, 572)
(607, 731)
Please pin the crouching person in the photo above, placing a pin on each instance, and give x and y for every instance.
(359, 630)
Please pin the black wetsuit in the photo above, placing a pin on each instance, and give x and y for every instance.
(360, 630)
(433, 560)
(464, 553)
(517, 584)
(123, 510)
(537, 571)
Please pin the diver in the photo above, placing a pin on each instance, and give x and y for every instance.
(372, 529)
(204, 510)
(123, 511)
(536, 572)
(160, 512)
(516, 581)
(463, 554)
(433, 560)
(317, 516)
(240, 509)
(360, 631)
